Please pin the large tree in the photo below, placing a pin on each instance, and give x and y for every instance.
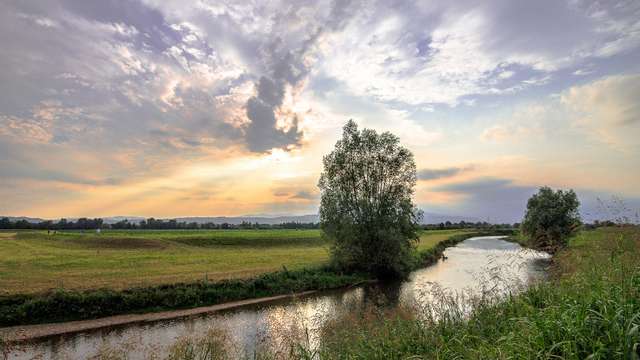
(366, 207)
(551, 217)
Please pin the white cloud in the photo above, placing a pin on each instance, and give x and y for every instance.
(511, 132)
(608, 108)
(40, 20)
(440, 53)
(382, 60)
(25, 130)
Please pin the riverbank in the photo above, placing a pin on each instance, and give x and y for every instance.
(69, 305)
(40, 331)
(589, 308)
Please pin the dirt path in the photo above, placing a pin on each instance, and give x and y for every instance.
(33, 332)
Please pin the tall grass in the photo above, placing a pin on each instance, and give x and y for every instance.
(215, 344)
(590, 309)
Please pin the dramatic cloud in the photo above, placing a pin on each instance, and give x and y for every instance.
(262, 132)
(179, 105)
(288, 65)
(435, 53)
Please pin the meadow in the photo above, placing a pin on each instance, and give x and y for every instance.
(34, 261)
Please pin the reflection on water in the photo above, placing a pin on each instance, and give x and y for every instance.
(477, 265)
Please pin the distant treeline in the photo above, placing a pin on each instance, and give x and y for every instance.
(148, 224)
(488, 226)
(159, 224)
(172, 224)
(606, 223)
(62, 224)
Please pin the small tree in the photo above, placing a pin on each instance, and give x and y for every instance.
(551, 218)
(366, 208)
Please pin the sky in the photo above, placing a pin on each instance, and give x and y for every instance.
(171, 108)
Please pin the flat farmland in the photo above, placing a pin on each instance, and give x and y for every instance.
(34, 261)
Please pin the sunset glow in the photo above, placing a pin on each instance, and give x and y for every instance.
(158, 108)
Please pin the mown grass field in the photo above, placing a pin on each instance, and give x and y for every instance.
(34, 261)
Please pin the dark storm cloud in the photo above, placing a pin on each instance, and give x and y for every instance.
(286, 67)
(262, 134)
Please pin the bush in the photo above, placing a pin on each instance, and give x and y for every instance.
(551, 218)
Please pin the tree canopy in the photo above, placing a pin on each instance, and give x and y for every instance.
(366, 207)
(551, 217)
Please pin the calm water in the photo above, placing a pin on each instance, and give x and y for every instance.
(481, 264)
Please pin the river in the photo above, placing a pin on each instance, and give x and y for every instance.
(482, 265)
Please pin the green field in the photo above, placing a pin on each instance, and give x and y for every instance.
(35, 261)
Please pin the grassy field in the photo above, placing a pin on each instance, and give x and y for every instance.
(36, 261)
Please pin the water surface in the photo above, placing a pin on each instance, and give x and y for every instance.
(487, 265)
